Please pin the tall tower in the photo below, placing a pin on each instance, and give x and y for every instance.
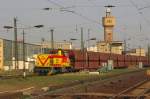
(108, 24)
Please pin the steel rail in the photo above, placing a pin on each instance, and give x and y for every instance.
(122, 93)
(144, 92)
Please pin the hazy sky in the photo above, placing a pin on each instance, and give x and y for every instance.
(133, 22)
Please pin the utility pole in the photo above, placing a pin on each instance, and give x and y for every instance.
(148, 53)
(82, 43)
(88, 45)
(24, 68)
(125, 47)
(15, 43)
(52, 39)
(76, 29)
(42, 45)
(110, 50)
(82, 47)
(140, 51)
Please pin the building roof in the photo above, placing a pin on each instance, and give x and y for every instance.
(110, 42)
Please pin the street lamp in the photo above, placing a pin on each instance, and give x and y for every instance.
(24, 69)
(47, 8)
(39, 26)
(15, 49)
(7, 27)
(73, 39)
(94, 38)
(52, 39)
(60, 9)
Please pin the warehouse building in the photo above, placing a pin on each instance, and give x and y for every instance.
(7, 59)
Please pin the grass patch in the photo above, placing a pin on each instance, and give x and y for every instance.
(40, 81)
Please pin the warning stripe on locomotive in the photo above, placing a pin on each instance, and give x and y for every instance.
(43, 59)
(46, 60)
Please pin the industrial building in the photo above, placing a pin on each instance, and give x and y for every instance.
(62, 45)
(137, 52)
(111, 47)
(7, 59)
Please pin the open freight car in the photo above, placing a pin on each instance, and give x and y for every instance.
(85, 60)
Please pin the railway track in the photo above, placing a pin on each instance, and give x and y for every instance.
(140, 90)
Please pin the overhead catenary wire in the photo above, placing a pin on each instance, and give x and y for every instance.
(140, 12)
(93, 6)
(63, 8)
(74, 12)
(145, 7)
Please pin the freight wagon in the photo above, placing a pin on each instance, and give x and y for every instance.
(95, 60)
(75, 60)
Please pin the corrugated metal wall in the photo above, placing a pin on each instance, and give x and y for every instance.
(8, 51)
